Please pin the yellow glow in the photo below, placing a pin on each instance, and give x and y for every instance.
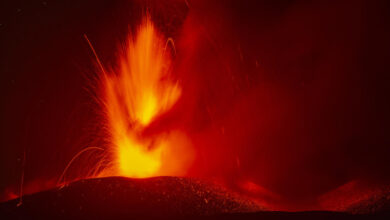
(141, 90)
(136, 161)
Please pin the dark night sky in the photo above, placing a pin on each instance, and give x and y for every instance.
(300, 87)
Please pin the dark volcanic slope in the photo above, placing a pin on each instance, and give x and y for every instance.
(159, 197)
(378, 202)
(118, 196)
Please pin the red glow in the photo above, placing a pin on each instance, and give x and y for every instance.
(277, 101)
(140, 91)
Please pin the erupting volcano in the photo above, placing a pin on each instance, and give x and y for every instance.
(194, 109)
(142, 89)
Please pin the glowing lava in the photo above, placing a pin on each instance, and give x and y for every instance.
(134, 96)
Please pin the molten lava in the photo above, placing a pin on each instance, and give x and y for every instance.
(134, 96)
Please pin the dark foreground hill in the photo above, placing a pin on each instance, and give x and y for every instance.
(159, 197)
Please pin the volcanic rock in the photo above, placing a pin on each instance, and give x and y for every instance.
(162, 198)
(119, 196)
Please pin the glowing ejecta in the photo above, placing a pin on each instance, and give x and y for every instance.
(141, 90)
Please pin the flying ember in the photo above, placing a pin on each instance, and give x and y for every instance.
(133, 97)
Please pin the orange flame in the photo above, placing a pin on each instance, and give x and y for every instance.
(142, 90)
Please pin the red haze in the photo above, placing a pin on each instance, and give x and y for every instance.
(283, 101)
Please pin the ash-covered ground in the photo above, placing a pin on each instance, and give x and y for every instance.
(160, 197)
(119, 196)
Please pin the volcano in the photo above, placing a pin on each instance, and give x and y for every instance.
(163, 198)
(127, 197)
(194, 109)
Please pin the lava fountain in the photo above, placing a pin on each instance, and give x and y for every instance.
(142, 89)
